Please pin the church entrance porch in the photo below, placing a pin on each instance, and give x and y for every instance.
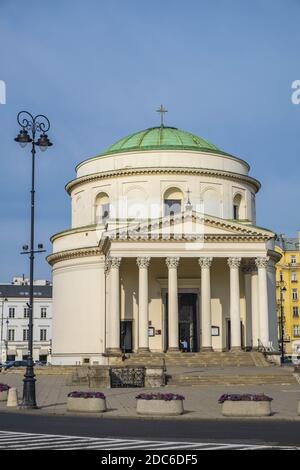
(153, 307)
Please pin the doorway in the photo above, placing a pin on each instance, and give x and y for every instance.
(126, 336)
(228, 335)
(187, 322)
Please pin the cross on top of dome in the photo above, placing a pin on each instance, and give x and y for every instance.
(162, 111)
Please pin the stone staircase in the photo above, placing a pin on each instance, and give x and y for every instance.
(202, 359)
(186, 380)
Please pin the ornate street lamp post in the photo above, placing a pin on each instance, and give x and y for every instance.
(6, 345)
(31, 128)
(4, 299)
(282, 290)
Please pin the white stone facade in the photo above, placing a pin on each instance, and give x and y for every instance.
(14, 320)
(141, 278)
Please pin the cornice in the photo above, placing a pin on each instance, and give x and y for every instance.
(212, 238)
(75, 253)
(158, 170)
(85, 228)
(215, 238)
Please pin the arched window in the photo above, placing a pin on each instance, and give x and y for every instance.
(102, 208)
(237, 207)
(173, 198)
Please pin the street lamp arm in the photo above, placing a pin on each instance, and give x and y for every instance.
(38, 123)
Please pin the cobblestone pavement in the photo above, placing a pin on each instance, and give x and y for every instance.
(201, 402)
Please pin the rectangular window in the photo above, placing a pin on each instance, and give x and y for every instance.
(293, 259)
(281, 276)
(295, 294)
(43, 335)
(295, 312)
(11, 335)
(25, 334)
(281, 295)
(294, 277)
(43, 312)
(172, 206)
(11, 312)
(26, 312)
(296, 330)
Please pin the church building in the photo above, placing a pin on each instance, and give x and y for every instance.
(163, 254)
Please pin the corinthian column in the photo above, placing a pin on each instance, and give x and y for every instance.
(114, 323)
(143, 264)
(262, 263)
(235, 320)
(205, 264)
(173, 342)
(247, 269)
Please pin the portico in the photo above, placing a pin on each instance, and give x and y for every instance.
(157, 282)
(170, 309)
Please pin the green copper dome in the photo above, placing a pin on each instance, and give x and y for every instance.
(162, 138)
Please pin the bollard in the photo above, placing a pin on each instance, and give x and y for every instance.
(12, 399)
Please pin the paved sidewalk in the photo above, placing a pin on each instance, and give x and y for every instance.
(200, 402)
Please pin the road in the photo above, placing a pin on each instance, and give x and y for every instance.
(230, 432)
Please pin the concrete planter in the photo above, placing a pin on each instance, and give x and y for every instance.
(86, 405)
(159, 407)
(246, 408)
(4, 395)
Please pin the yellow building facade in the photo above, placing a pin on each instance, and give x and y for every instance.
(288, 292)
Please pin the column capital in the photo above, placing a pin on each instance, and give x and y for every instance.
(262, 261)
(172, 262)
(234, 262)
(205, 262)
(115, 261)
(143, 261)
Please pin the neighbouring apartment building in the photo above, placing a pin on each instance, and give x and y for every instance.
(14, 316)
(288, 291)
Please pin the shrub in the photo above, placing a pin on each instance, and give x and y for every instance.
(244, 397)
(86, 395)
(159, 396)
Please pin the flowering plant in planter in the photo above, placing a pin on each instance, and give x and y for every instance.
(4, 387)
(159, 396)
(86, 395)
(244, 397)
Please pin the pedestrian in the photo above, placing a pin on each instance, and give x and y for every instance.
(184, 345)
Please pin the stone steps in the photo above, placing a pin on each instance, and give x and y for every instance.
(214, 359)
(187, 381)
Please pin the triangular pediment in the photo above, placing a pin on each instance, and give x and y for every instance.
(188, 225)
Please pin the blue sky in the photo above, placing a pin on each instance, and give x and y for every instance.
(99, 69)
